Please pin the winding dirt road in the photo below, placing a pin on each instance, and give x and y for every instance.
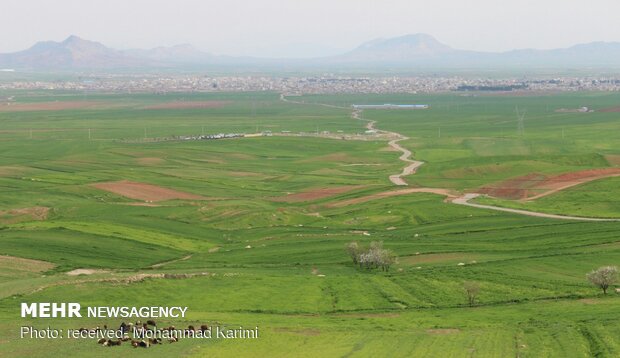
(396, 179)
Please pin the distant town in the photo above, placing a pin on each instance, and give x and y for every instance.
(314, 85)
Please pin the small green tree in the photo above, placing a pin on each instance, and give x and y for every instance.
(603, 277)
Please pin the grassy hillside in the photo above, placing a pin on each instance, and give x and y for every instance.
(259, 240)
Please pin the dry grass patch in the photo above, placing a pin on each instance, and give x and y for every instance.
(445, 192)
(146, 192)
(20, 266)
(189, 105)
(35, 213)
(443, 331)
(50, 106)
(316, 194)
(149, 161)
(437, 258)
(6, 171)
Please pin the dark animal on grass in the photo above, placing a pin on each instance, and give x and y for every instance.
(111, 343)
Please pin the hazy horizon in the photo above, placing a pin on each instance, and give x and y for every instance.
(277, 28)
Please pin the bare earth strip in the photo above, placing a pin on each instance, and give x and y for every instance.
(78, 272)
(146, 192)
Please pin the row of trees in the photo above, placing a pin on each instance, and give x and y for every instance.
(371, 257)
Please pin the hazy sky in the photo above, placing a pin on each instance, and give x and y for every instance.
(303, 27)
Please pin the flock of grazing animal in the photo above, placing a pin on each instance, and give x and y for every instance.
(140, 329)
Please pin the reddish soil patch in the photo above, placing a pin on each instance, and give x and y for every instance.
(146, 192)
(48, 106)
(534, 186)
(610, 110)
(449, 194)
(516, 188)
(13, 216)
(188, 105)
(316, 194)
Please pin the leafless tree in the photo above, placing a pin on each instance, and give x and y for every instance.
(388, 258)
(373, 257)
(354, 250)
(603, 277)
(471, 290)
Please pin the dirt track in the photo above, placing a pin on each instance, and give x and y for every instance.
(397, 179)
(464, 200)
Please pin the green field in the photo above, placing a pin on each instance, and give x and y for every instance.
(261, 243)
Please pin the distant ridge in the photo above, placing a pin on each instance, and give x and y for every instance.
(72, 53)
(414, 51)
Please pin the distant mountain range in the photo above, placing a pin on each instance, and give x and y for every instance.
(410, 52)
